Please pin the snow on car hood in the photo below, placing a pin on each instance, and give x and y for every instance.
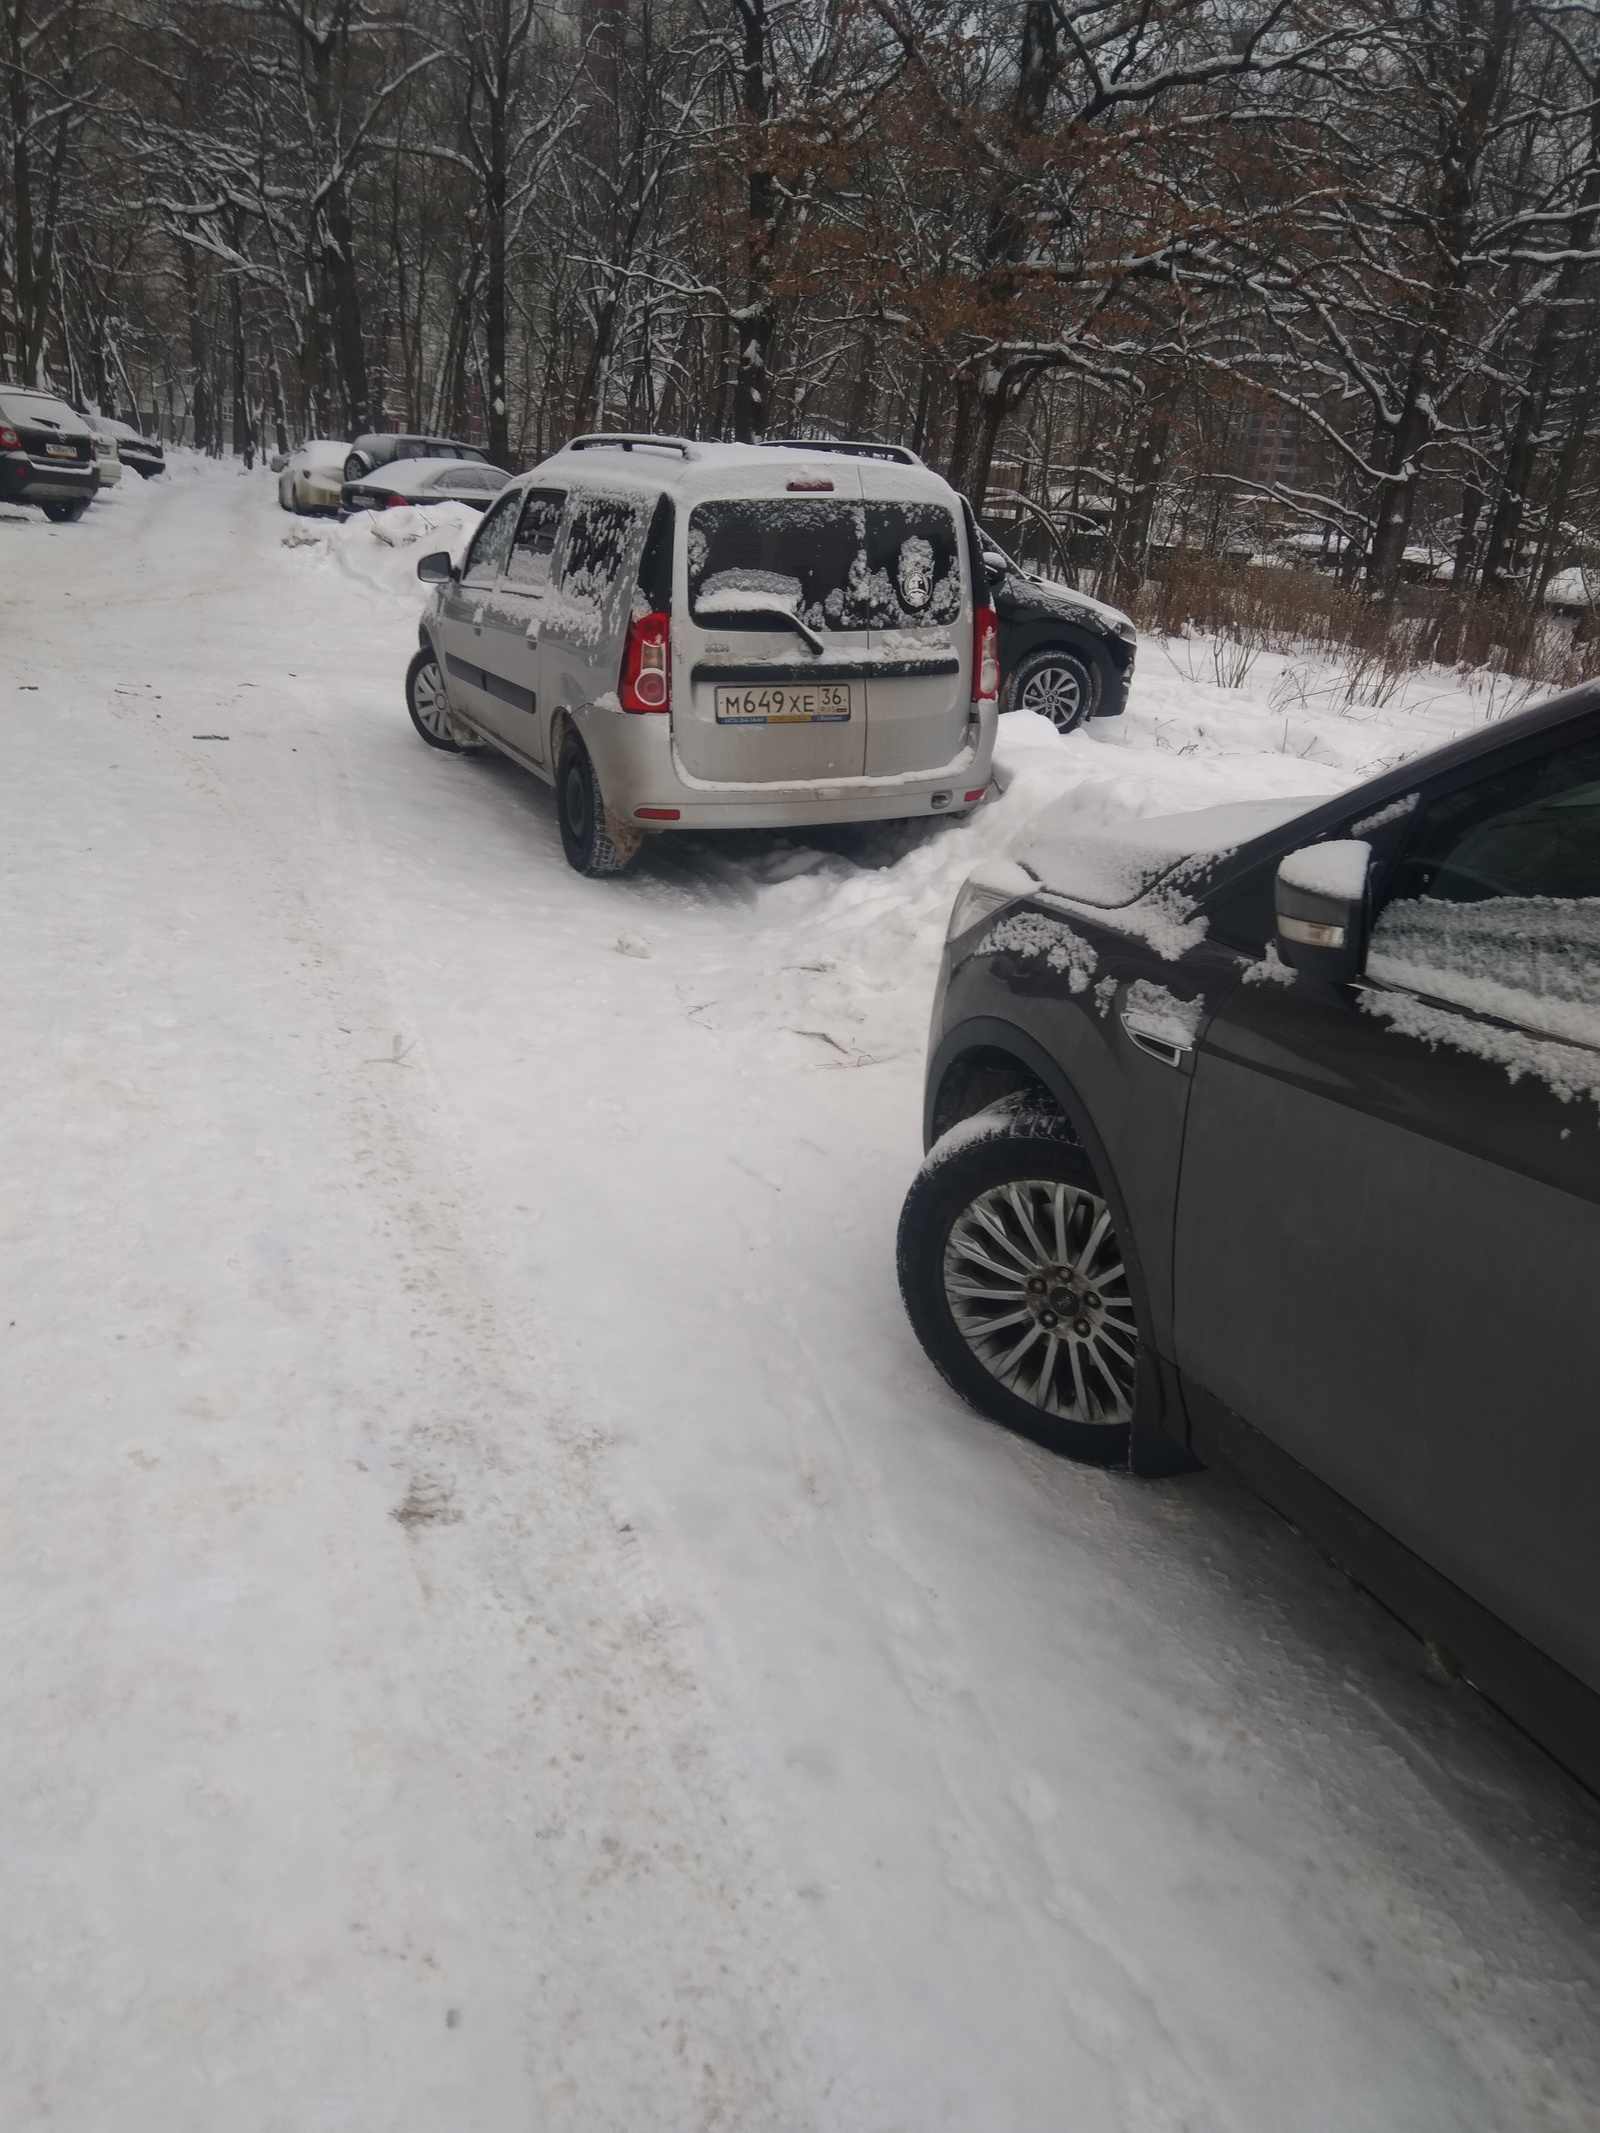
(1109, 864)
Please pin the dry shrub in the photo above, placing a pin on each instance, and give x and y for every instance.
(1242, 610)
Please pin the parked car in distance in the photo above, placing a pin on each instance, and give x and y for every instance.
(311, 477)
(685, 636)
(47, 453)
(424, 481)
(380, 448)
(146, 455)
(107, 459)
(1063, 654)
(1268, 1136)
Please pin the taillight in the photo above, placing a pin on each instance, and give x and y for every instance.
(985, 655)
(9, 440)
(396, 503)
(646, 684)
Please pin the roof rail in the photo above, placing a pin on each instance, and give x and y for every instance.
(627, 440)
(901, 455)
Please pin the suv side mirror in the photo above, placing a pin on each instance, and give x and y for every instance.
(1321, 900)
(437, 569)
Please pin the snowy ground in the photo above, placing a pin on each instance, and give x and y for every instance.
(505, 1630)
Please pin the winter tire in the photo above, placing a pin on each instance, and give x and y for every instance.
(1016, 1285)
(1058, 683)
(428, 704)
(67, 514)
(585, 835)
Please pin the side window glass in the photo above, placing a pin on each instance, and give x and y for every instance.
(1495, 904)
(528, 564)
(599, 552)
(491, 542)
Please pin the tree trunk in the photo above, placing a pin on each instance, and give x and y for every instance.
(199, 356)
(494, 215)
(280, 416)
(1469, 104)
(753, 320)
(1505, 531)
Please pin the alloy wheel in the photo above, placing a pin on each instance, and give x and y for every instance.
(1038, 1290)
(1057, 693)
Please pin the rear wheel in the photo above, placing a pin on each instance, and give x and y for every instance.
(1058, 683)
(585, 836)
(429, 705)
(67, 514)
(1016, 1285)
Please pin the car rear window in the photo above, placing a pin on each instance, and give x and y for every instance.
(38, 408)
(482, 480)
(838, 565)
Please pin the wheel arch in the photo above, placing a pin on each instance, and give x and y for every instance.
(977, 1062)
(1049, 635)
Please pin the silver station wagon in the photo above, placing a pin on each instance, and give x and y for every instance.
(687, 636)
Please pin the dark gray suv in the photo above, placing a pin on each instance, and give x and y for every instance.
(1269, 1136)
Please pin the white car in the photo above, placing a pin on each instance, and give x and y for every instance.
(398, 482)
(107, 458)
(687, 636)
(312, 476)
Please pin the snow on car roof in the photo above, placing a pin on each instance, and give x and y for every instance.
(691, 469)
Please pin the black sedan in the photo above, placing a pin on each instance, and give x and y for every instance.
(47, 455)
(146, 455)
(1270, 1137)
(381, 448)
(1062, 654)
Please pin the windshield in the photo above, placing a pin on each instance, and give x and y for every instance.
(836, 565)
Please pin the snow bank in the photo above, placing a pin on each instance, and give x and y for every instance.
(381, 549)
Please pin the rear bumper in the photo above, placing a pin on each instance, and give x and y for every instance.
(42, 481)
(640, 769)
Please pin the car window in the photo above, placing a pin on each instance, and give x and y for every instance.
(470, 480)
(598, 533)
(41, 409)
(491, 542)
(528, 564)
(839, 565)
(1495, 903)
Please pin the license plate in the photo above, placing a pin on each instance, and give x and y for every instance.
(62, 451)
(810, 703)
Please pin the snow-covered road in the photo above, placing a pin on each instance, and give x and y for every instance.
(504, 1632)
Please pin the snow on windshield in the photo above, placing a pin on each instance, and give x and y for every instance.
(840, 565)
